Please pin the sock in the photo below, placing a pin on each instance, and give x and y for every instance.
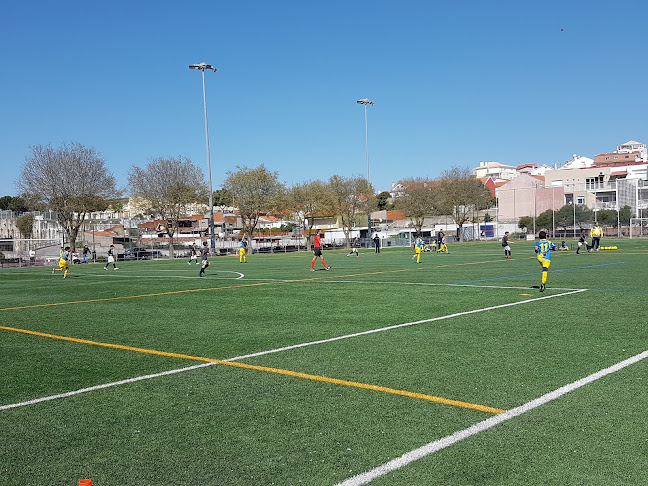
(418, 257)
(324, 263)
(544, 277)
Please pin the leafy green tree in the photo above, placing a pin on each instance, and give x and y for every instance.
(71, 180)
(25, 225)
(525, 223)
(545, 220)
(167, 188)
(382, 201)
(256, 191)
(487, 218)
(222, 198)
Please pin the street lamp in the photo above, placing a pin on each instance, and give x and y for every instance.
(366, 102)
(203, 66)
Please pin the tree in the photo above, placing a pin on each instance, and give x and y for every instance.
(462, 194)
(71, 180)
(13, 203)
(545, 219)
(256, 192)
(307, 200)
(625, 214)
(168, 187)
(382, 201)
(350, 198)
(525, 223)
(25, 225)
(222, 198)
(419, 200)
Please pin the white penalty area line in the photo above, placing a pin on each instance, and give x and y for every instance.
(278, 350)
(449, 440)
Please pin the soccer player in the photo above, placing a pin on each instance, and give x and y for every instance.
(444, 245)
(418, 248)
(355, 246)
(583, 241)
(111, 258)
(317, 252)
(543, 249)
(64, 262)
(242, 251)
(506, 246)
(596, 233)
(204, 254)
(194, 255)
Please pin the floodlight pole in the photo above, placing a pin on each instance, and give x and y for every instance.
(366, 102)
(203, 66)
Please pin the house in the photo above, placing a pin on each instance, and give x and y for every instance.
(495, 170)
(527, 195)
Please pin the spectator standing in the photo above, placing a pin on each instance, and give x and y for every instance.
(596, 233)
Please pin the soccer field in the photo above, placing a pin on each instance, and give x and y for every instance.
(383, 371)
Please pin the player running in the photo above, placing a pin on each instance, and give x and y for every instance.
(64, 262)
(543, 249)
(204, 254)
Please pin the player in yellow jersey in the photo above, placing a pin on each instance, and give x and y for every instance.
(64, 262)
(242, 250)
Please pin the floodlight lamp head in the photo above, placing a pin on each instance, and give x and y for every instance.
(365, 101)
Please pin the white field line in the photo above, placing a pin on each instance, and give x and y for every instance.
(449, 440)
(100, 387)
(285, 348)
(122, 275)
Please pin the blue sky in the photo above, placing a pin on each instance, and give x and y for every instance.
(454, 83)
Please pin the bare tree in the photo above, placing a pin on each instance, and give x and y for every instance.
(420, 200)
(255, 191)
(351, 197)
(462, 194)
(71, 180)
(307, 200)
(168, 187)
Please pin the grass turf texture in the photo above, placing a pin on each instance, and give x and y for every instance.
(224, 425)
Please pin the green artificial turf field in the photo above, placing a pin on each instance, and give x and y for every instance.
(268, 374)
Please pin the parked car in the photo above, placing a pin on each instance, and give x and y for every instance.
(137, 253)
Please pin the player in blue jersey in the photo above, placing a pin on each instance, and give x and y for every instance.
(543, 249)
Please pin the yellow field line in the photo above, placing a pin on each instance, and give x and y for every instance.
(296, 374)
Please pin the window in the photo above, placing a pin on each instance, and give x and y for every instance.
(580, 200)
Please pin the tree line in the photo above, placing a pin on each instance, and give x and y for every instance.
(73, 181)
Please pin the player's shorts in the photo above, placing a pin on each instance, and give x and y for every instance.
(205, 262)
(544, 262)
(242, 251)
(507, 248)
(317, 252)
(63, 263)
(418, 249)
(111, 259)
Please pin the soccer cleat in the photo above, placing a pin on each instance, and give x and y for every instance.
(53, 271)
(188, 263)
(328, 268)
(542, 287)
(312, 269)
(115, 268)
(105, 268)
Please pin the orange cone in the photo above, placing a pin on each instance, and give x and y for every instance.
(85, 482)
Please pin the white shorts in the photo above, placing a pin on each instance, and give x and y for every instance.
(507, 248)
(205, 262)
(111, 259)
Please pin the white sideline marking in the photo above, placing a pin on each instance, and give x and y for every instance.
(277, 350)
(449, 440)
(100, 387)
